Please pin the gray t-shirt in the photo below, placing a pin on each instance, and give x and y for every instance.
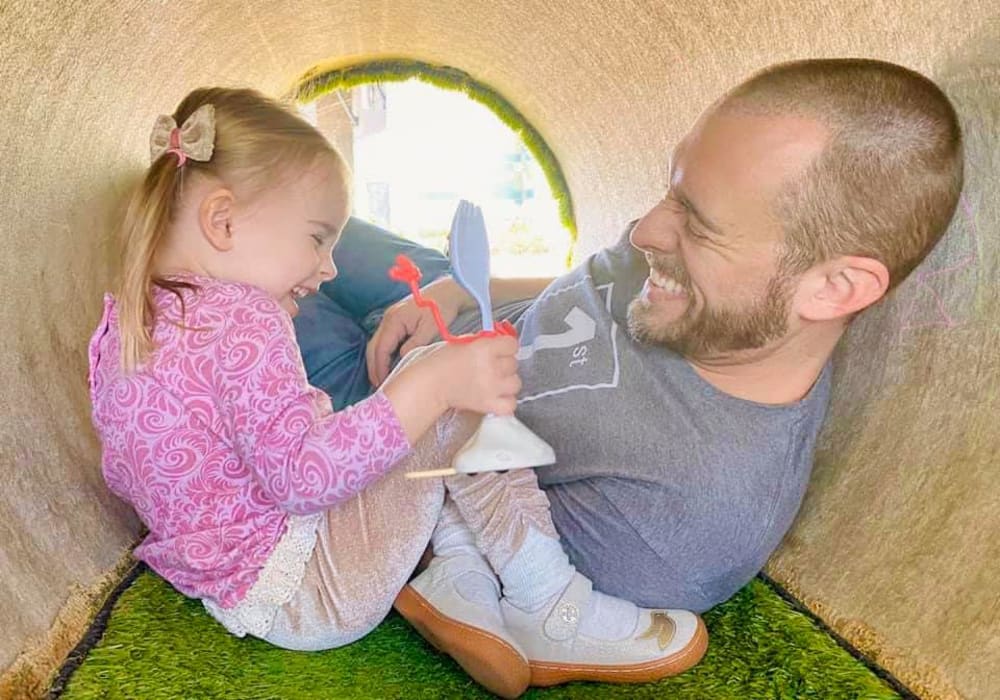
(667, 492)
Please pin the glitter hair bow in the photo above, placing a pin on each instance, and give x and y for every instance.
(194, 139)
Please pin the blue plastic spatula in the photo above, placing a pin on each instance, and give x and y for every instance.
(469, 248)
(502, 442)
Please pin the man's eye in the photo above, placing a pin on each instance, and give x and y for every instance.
(694, 232)
(674, 204)
(318, 238)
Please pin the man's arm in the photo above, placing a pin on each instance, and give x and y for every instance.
(506, 290)
(406, 326)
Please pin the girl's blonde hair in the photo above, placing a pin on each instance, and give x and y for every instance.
(257, 141)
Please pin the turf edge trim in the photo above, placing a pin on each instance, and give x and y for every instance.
(893, 682)
(93, 634)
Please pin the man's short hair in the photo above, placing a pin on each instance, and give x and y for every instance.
(888, 179)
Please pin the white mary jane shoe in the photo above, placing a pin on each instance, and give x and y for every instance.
(663, 642)
(471, 633)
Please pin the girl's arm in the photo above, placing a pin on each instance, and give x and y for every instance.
(305, 456)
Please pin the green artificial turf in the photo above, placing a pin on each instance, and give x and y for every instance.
(159, 644)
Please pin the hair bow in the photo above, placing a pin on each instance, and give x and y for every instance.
(195, 139)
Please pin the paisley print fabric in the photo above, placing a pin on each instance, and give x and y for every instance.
(218, 437)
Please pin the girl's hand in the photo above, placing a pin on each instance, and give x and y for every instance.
(406, 326)
(480, 376)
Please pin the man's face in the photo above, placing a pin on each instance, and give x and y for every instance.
(713, 243)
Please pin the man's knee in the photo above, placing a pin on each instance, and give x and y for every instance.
(333, 350)
(324, 328)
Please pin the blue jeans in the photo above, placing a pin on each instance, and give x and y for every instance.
(333, 327)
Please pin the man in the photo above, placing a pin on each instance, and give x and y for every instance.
(690, 376)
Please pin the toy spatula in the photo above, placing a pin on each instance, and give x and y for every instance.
(502, 442)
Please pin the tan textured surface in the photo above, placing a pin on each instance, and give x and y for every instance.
(29, 676)
(894, 544)
(897, 543)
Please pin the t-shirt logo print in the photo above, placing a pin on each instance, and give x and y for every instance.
(564, 348)
(581, 329)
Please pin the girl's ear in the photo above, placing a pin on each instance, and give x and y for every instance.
(215, 216)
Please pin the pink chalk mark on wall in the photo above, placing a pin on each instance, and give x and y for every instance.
(928, 283)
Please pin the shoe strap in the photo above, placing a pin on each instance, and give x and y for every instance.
(447, 568)
(564, 618)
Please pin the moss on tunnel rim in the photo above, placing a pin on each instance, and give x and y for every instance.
(322, 80)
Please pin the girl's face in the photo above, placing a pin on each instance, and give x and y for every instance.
(283, 239)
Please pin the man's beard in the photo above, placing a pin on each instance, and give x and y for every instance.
(714, 332)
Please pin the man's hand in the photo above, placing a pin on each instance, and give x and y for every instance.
(406, 326)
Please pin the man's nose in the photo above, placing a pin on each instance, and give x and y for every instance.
(656, 234)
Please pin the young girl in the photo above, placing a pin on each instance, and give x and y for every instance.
(284, 517)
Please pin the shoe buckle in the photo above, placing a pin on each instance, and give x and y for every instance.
(564, 618)
(569, 613)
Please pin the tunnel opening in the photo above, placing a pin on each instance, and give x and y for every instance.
(419, 138)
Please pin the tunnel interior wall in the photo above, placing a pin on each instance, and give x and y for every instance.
(894, 545)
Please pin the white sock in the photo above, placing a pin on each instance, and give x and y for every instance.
(539, 572)
(452, 538)
(536, 572)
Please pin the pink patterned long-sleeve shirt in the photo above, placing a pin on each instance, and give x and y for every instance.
(219, 436)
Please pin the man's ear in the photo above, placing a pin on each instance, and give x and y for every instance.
(215, 215)
(841, 287)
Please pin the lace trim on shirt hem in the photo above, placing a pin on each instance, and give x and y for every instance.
(277, 583)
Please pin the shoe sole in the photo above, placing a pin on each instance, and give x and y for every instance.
(492, 662)
(550, 673)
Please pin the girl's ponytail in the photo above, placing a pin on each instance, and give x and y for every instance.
(146, 219)
(149, 214)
